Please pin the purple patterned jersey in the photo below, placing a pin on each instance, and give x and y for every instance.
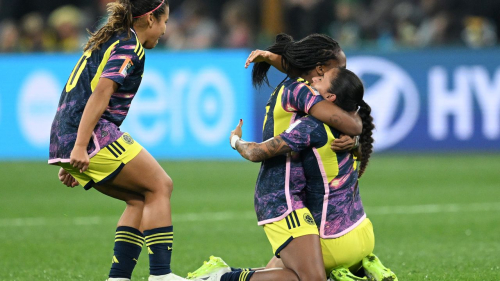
(120, 59)
(280, 184)
(332, 193)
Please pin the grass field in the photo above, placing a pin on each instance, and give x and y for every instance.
(435, 218)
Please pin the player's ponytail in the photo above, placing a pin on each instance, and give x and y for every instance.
(121, 17)
(119, 20)
(349, 92)
(365, 139)
(260, 69)
(298, 58)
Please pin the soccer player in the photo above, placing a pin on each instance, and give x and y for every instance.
(87, 144)
(277, 197)
(332, 193)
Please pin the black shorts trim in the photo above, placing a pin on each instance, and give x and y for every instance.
(109, 177)
(277, 253)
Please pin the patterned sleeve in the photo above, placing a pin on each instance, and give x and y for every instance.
(305, 132)
(300, 97)
(122, 61)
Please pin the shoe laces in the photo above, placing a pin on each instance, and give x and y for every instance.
(211, 261)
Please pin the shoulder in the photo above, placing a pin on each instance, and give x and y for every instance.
(300, 86)
(124, 43)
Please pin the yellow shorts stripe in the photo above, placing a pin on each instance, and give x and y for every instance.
(298, 223)
(107, 163)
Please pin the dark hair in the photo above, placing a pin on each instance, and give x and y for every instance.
(121, 15)
(297, 57)
(350, 91)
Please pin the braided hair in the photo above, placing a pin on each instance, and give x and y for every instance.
(122, 15)
(350, 91)
(298, 57)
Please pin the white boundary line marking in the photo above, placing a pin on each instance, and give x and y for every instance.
(250, 215)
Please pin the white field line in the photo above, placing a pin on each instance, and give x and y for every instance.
(250, 215)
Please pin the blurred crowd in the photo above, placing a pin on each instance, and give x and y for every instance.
(61, 25)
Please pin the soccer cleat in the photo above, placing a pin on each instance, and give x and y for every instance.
(211, 270)
(376, 271)
(166, 277)
(117, 279)
(343, 274)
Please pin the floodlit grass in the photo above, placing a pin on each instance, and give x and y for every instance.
(435, 218)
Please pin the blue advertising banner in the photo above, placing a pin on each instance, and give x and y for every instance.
(186, 107)
(433, 100)
(422, 101)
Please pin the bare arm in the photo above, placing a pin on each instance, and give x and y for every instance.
(257, 152)
(332, 115)
(265, 56)
(96, 105)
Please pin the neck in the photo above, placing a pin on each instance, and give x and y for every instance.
(140, 34)
(308, 77)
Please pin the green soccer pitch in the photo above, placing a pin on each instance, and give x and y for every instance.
(436, 217)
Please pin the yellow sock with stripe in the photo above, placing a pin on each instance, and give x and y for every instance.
(244, 275)
(128, 245)
(159, 242)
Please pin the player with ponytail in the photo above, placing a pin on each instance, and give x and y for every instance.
(86, 141)
(347, 239)
(278, 193)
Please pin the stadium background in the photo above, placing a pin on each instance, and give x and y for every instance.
(432, 76)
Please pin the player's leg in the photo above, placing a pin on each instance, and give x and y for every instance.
(143, 175)
(128, 237)
(275, 263)
(303, 256)
(217, 270)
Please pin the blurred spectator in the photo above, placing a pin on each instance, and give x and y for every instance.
(197, 24)
(67, 24)
(9, 37)
(345, 29)
(192, 28)
(375, 19)
(303, 17)
(35, 37)
(479, 32)
(406, 19)
(237, 26)
(437, 26)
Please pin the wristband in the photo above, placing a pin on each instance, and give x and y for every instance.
(234, 139)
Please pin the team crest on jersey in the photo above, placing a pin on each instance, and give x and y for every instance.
(128, 139)
(127, 67)
(309, 219)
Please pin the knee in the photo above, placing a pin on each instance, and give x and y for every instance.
(166, 186)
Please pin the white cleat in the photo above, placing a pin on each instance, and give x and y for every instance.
(166, 277)
(117, 279)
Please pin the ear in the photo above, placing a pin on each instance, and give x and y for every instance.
(150, 19)
(320, 70)
(331, 97)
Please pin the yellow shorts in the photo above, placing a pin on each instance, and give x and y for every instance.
(348, 250)
(107, 163)
(298, 223)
